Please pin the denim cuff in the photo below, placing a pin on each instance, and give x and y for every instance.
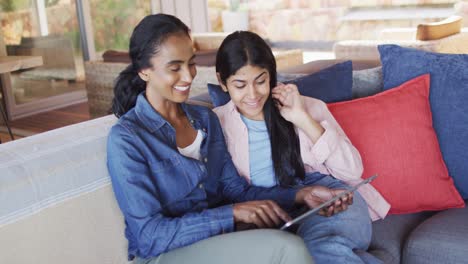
(224, 216)
(287, 197)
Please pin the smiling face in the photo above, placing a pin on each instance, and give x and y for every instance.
(172, 71)
(249, 89)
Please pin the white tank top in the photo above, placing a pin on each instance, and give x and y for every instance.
(193, 150)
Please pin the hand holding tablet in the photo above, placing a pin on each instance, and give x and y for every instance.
(327, 203)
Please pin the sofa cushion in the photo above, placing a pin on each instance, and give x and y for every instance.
(332, 84)
(393, 132)
(443, 238)
(86, 229)
(286, 77)
(367, 82)
(389, 235)
(448, 98)
(56, 198)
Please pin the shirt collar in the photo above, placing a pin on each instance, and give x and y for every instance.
(231, 107)
(153, 120)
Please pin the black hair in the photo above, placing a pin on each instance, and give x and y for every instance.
(243, 48)
(145, 41)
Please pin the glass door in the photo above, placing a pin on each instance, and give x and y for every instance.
(46, 28)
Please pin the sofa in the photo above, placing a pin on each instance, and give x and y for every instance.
(57, 204)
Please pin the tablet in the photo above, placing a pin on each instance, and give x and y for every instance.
(327, 203)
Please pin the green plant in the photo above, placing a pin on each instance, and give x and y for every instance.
(113, 21)
(13, 5)
(238, 5)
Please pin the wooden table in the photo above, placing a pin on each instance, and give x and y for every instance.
(14, 63)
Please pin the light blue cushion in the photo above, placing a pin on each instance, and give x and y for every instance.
(448, 98)
(367, 82)
(333, 84)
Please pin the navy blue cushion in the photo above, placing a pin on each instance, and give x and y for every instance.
(448, 98)
(218, 96)
(333, 84)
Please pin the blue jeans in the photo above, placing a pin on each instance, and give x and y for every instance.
(341, 238)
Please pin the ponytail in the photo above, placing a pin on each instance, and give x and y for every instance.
(126, 90)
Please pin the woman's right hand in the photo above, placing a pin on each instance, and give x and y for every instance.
(263, 214)
(290, 103)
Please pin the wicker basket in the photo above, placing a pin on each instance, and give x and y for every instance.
(100, 77)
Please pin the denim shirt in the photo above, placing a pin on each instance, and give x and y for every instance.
(169, 200)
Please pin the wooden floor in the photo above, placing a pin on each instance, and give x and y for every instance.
(48, 121)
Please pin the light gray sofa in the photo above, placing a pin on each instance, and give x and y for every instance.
(427, 237)
(56, 201)
(57, 204)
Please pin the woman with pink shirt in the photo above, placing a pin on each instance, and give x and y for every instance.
(278, 137)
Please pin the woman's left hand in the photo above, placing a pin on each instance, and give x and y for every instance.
(289, 102)
(315, 195)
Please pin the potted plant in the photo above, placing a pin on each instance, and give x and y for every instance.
(236, 18)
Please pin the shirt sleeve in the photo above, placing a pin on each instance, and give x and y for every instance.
(333, 149)
(138, 200)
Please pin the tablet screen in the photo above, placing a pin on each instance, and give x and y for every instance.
(327, 203)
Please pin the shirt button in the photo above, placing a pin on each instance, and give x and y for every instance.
(204, 129)
(205, 160)
(201, 186)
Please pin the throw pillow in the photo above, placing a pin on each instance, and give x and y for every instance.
(448, 98)
(367, 82)
(332, 84)
(218, 96)
(286, 77)
(393, 132)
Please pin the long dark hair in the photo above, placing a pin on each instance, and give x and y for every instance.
(145, 41)
(243, 48)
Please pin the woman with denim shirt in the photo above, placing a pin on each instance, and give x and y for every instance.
(172, 176)
(277, 137)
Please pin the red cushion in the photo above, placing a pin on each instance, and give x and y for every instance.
(393, 132)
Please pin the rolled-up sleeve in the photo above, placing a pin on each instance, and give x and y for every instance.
(333, 151)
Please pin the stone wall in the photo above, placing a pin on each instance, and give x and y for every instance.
(321, 20)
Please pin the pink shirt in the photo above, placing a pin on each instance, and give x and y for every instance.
(333, 153)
